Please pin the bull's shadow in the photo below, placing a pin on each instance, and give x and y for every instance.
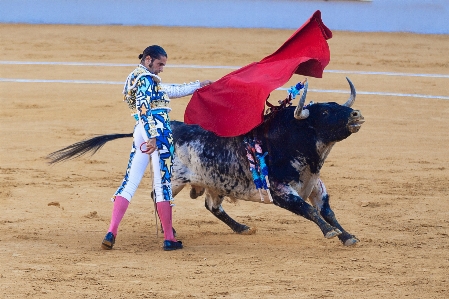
(298, 141)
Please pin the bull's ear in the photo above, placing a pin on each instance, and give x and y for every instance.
(301, 113)
(351, 99)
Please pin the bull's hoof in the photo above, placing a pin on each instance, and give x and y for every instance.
(333, 233)
(351, 241)
(248, 231)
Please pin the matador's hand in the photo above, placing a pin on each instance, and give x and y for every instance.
(204, 83)
(150, 145)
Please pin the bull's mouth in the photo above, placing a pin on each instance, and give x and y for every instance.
(355, 121)
(354, 127)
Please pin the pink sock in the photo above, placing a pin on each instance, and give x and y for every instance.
(165, 214)
(120, 206)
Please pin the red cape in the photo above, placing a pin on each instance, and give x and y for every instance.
(235, 104)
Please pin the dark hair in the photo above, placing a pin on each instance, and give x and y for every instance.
(154, 52)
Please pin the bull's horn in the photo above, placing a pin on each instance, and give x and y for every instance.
(299, 112)
(351, 99)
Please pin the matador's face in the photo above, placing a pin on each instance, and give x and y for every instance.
(155, 66)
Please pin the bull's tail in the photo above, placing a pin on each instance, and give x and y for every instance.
(83, 147)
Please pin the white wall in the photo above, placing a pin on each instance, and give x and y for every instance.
(419, 16)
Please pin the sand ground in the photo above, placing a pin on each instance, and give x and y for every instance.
(389, 183)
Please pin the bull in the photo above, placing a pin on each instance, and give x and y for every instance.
(298, 141)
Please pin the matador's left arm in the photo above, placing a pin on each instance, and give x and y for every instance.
(180, 90)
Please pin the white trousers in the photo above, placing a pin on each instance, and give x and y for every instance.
(137, 165)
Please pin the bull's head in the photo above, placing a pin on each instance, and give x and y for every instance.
(330, 118)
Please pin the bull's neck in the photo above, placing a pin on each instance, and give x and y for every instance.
(323, 150)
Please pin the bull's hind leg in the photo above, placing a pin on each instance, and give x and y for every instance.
(213, 204)
(320, 199)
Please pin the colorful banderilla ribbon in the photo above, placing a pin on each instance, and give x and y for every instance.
(258, 166)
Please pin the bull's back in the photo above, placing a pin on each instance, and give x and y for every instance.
(210, 159)
(206, 144)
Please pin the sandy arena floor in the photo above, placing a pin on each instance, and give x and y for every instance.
(389, 183)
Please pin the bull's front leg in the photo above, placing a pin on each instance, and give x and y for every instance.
(320, 199)
(286, 197)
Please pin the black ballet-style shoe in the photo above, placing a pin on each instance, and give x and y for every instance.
(108, 241)
(172, 245)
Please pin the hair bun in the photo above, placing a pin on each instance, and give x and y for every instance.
(140, 56)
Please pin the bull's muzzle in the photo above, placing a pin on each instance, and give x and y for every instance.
(356, 120)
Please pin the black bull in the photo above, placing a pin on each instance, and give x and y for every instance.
(297, 139)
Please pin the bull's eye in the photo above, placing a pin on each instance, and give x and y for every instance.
(325, 113)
